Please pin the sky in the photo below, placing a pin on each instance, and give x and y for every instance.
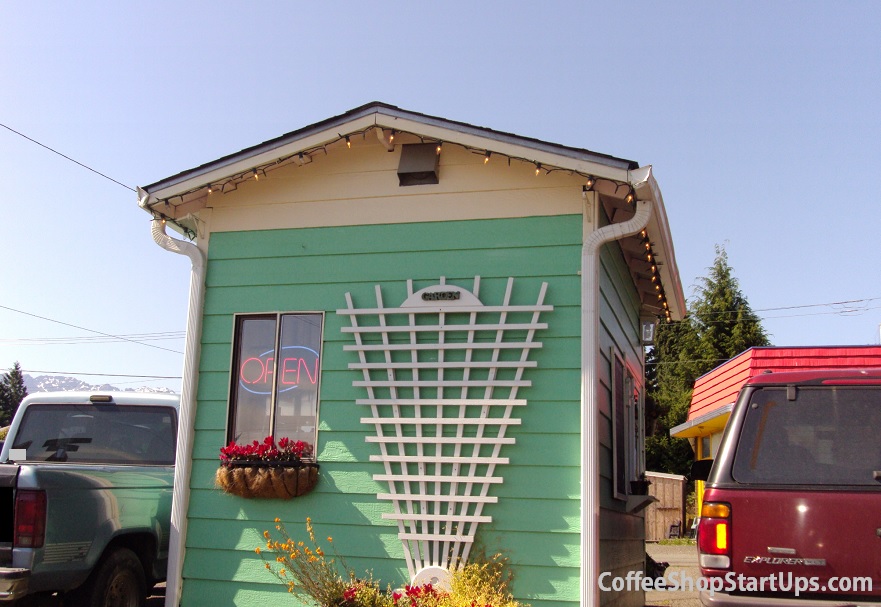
(761, 120)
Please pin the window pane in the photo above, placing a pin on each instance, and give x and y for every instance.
(619, 427)
(825, 436)
(254, 369)
(297, 387)
(106, 434)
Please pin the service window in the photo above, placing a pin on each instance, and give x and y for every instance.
(627, 437)
(275, 377)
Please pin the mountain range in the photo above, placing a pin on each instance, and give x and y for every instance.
(63, 383)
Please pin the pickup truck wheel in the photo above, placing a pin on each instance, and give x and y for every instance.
(118, 581)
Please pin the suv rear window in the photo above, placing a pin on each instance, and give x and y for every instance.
(101, 434)
(826, 435)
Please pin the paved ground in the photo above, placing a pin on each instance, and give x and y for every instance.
(683, 561)
(156, 599)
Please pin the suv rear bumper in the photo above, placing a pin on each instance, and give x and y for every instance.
(723, 599)
(13, 583)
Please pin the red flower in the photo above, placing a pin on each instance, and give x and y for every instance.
(267, 451)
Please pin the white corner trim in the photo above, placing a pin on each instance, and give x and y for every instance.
(187, 412)
(590, 345)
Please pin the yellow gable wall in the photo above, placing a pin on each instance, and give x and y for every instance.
(360, 186)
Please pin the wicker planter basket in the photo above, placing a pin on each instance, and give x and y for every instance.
(268, 480)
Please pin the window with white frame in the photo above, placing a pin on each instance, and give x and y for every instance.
(275, 377)
(627, 433)
(636, 431)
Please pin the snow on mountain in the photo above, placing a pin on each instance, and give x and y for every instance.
(63, 383)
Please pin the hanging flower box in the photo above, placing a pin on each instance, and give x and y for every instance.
(267, 470)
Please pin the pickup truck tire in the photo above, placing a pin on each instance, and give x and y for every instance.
(118, 581)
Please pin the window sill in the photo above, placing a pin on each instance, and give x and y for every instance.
(636, 503)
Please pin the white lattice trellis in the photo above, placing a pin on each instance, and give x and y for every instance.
(441, 373)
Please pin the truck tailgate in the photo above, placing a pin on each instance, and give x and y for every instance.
(8, 476)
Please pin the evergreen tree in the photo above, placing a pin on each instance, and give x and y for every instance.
(719, 326)
(12, 392)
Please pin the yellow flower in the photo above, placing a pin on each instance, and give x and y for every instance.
(257, 549)
(266, 534)
(277, 520)
(329, 539)
(267, 565)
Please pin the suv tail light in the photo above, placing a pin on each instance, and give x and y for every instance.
(30, 519)
(714, 536)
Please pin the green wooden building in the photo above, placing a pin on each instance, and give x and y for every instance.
(454, 317)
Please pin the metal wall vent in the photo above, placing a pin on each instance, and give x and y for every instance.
(419, 162)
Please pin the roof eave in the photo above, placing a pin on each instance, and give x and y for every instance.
(647, 188)
(387, 116)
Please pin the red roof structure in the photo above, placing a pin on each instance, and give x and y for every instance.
(715, 392)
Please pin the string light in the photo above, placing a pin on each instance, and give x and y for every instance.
(646, 243)
(303, 157)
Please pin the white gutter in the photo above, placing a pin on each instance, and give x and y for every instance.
(187, 414)
(590, 347)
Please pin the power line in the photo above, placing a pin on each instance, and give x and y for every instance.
(101, 374)
(846, 302)
(54, 151)
(847, 312)
(45, 341)
(833, 303)
(66, 324)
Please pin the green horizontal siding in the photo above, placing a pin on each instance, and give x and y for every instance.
(537, 518)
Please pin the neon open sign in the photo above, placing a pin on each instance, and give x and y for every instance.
(298, 367)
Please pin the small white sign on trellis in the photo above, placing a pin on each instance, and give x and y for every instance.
(441, 373)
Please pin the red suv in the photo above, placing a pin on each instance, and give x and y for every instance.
(792, 506)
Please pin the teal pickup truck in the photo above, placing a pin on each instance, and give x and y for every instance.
(85, 497)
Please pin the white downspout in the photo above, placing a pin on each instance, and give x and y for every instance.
(185, 428)
(590, 346)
